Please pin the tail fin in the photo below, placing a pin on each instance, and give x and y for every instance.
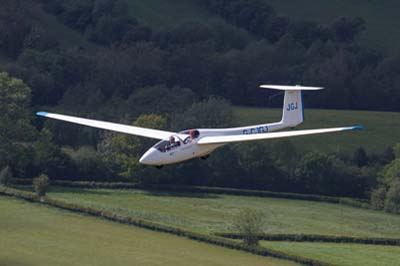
(293, 108)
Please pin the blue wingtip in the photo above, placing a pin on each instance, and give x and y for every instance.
(42, 114)
(355, 128)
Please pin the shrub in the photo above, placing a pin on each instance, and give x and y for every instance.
(249, 223)
(41, 184)
(392, 201)
(5, 176)
(378, 198)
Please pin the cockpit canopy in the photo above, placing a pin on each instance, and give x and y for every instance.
(175, 141)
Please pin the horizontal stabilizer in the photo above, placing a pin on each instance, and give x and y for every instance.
(291, 88)
(274, 135)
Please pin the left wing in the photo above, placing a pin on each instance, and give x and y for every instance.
(138, 131)
(275, 135)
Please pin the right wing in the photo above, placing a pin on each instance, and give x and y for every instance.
(138, 131)
(274, 135)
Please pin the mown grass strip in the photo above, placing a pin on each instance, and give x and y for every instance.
(210, 239)
(318, 238)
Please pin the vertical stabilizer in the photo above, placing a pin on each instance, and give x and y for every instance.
(293, 107)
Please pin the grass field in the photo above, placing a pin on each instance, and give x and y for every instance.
(32, 235)
(382, 129)
(215, 213)
(342, 254)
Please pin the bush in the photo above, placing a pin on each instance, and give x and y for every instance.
(392, 201)
(378, 198)
(5, 176)
(41, 184)
(249, 224)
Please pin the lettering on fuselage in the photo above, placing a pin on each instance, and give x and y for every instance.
(255, 130)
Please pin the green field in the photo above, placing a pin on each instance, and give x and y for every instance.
(382, 129)
(215, 212)
(32, 234)
(341, 254)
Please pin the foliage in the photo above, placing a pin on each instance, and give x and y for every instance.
(325, 174)
(5, 176)
(212, 112)
(15, 124)
(50, 159)
(40, 184)
(249, 223)
(122, 151)
(378, 197)
(392, 200)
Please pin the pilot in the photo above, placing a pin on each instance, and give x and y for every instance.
(172, 141)
(192, 133)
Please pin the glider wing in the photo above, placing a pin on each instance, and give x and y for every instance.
(138, 131)
(274, 135)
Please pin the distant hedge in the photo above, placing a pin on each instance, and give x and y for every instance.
(359, 203)
(318, 238)
(210, 239)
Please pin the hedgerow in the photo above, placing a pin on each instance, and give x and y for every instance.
(317, 238)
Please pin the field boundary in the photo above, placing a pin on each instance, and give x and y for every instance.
(210, 239)
(358, 203)
(318, 238)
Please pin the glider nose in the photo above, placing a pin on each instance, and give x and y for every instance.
(150, 157)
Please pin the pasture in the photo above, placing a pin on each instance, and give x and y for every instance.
(341, 254)
(32, 234)
(381, 129)
(208, 213)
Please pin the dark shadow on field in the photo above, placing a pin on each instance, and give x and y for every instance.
(181, 194)
(77, 190)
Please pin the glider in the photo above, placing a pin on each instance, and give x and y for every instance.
(175, 147)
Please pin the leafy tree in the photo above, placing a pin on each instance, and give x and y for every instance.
(392, 200)
(212, 112)
(13, 27)
(90, 164)
(41, 184)
(346, 29)
(360, 157)
(50, 159)
(161, 99)
(249, 224)
(15, 126)
(326, 174)
(123, 151)
(378, 198)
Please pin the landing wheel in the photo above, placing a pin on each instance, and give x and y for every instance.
(159, 166)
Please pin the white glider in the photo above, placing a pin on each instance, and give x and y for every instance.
(176, 147)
